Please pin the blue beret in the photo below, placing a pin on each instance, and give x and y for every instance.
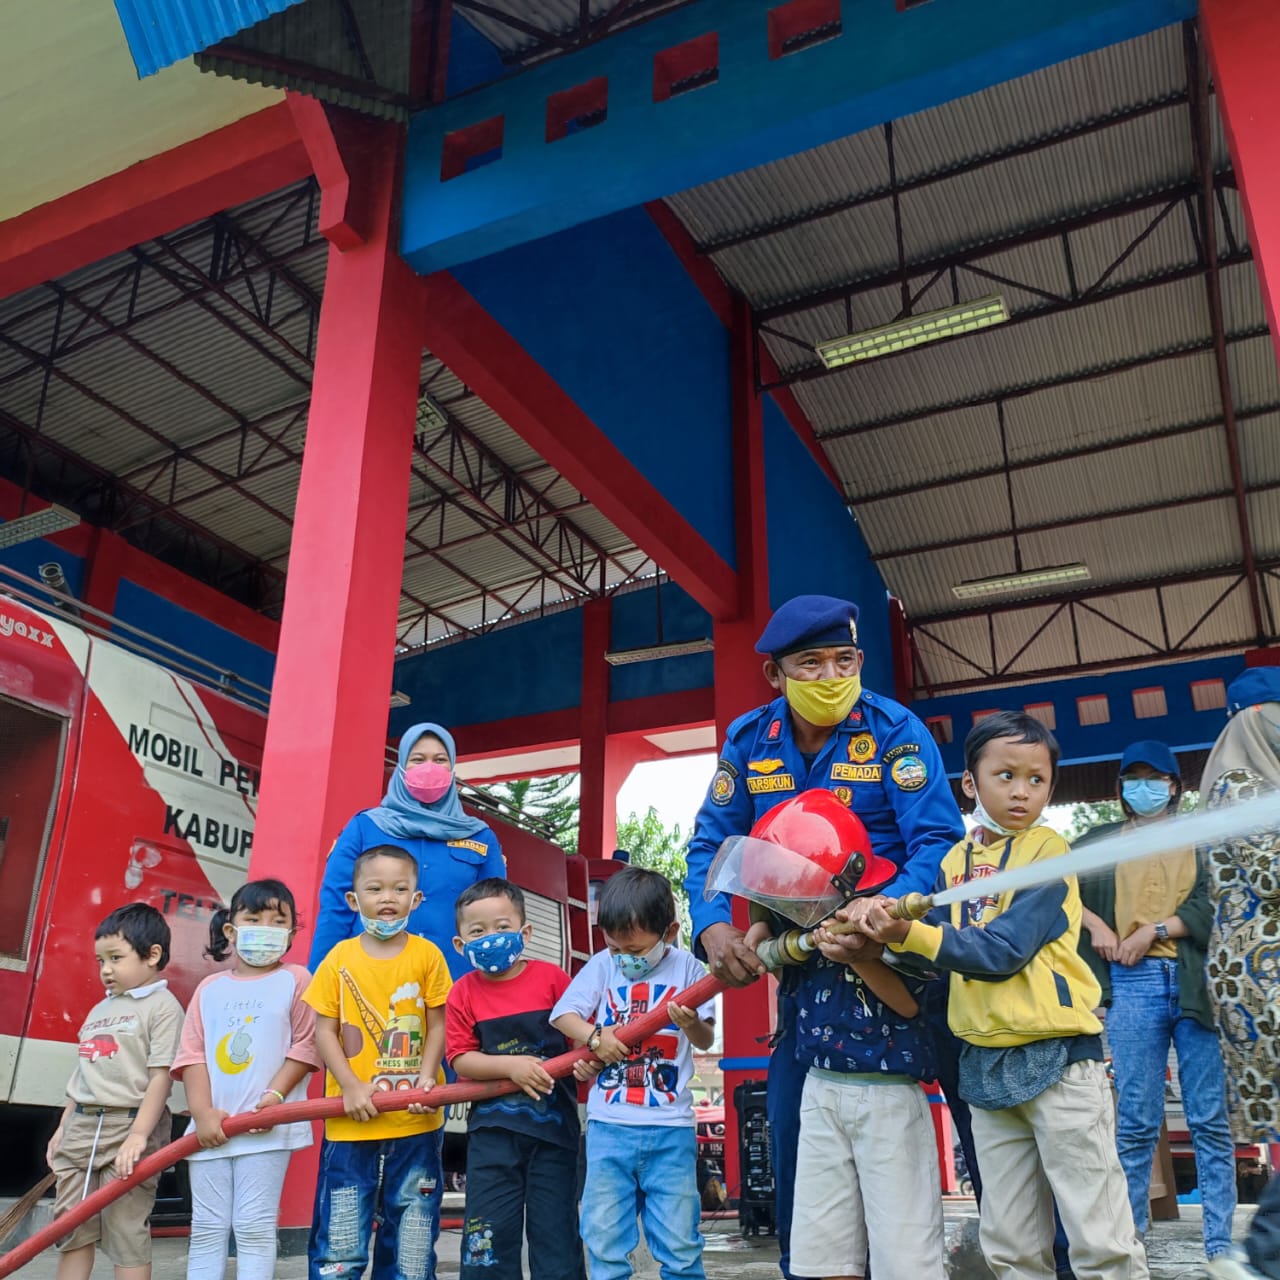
(809, 622)
(1255, 685)
(1152, 753)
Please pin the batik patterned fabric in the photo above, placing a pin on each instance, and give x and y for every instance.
(1244, 963)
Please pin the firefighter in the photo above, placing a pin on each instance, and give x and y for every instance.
(823, 730)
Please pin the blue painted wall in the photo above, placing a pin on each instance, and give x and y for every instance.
(27, 557)
(635, 624)
(159, 617)
(517, 671)
(472, 59)
(815, 546)
(610, 313)
(885, 65)
(1183, 728)
(541, 664)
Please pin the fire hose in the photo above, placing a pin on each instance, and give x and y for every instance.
(319, 1108)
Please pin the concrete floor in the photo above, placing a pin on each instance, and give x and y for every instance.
(1174, 1249)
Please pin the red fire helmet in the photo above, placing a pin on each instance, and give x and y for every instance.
(829, 857)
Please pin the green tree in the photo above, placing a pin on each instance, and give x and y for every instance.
(547, 805)
(659, 849)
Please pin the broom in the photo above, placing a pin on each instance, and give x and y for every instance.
(15, 1213)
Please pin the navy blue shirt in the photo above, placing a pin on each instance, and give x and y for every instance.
(842, 1025)
(445, 869)
(881, 762)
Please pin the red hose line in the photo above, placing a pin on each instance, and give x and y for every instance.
(319, 1108)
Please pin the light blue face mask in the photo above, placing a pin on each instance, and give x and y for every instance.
(382, 929)
(634, 968)
(495, 952)
(1147, 797)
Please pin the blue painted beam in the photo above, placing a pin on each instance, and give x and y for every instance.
(1182, 726)
(883, 65)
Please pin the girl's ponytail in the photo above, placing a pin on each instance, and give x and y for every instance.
(219, 944)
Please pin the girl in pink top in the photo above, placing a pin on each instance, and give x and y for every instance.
(248, 1044)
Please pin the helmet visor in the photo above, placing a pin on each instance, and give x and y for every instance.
(777, 878)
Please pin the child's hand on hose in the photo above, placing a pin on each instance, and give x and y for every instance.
(529, 1073)
(425, 1082)
(610, 1048)
(586, 1069)
(877, 923)
(683, 1017)
(130, 1153)
(209, 1127)
(357, 1101)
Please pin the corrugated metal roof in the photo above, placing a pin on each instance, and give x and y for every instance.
(1112, 343)
(162, 32)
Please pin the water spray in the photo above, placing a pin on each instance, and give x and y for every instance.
(1147, 840)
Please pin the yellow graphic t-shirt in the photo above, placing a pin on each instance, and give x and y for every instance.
(380, 1007)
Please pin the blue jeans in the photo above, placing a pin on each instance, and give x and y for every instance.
(395, 1182)
(650, 1169)
(1145, 1016)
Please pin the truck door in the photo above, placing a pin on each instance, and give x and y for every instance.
(42, 664)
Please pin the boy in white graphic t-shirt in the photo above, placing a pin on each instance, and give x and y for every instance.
(641, 1140)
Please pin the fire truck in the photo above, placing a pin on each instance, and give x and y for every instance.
(129, 772)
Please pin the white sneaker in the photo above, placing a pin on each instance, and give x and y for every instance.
(1232, 1265)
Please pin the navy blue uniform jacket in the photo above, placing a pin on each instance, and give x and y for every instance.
(882, 762)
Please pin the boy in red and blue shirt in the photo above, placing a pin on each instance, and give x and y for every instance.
(522, 1148)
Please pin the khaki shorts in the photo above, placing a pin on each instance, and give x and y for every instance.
(121, 1228)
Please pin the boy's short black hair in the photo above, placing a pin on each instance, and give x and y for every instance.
(636, 898)
(493, 887)
(1017, 725)
(141, 926)
(383, 851)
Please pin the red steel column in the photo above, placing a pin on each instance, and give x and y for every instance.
(1243, 37)
(739, 686)
(593, 730)
(327, 730)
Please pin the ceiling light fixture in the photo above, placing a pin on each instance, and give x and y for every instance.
(913, 331)
(399, 699)
(678, 649)
(431, 416)
(39, 524)
(1023, 581)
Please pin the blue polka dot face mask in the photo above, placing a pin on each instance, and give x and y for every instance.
(495, 952)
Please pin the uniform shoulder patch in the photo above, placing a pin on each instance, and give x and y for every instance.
(723, 783)
(909, 772)
(775, 731)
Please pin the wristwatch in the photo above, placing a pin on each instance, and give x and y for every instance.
(593, 1040)
(1162, 930)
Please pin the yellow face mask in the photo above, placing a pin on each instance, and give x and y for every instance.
(823, 702)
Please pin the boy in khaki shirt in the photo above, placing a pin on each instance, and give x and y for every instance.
(116, 1109)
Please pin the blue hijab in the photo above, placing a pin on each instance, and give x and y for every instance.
(401, 815)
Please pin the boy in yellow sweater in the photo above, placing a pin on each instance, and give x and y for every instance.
(1021, 1000)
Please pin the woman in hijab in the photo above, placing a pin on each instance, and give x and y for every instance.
(421, 812)
(1244, 947)
(1146, 926)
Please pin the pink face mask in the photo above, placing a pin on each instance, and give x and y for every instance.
(428, 782)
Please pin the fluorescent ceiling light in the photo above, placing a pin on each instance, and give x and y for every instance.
(912, 331)
(39, 524)
(399, 699)
(430, 415)
(1021, 581)
(622, 657)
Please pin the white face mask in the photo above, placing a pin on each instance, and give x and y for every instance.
(261, 945)
(988, 823)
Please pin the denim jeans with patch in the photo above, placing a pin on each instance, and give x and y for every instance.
(650, 1169)
(394, 1182)
(1145, 1017)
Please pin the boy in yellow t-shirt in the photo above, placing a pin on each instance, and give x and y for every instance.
(379, 1000)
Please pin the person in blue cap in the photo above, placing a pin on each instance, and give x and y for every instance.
(1244, 947)
(1145, 930)
(823, 730)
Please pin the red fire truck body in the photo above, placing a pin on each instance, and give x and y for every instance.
(122, 780)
